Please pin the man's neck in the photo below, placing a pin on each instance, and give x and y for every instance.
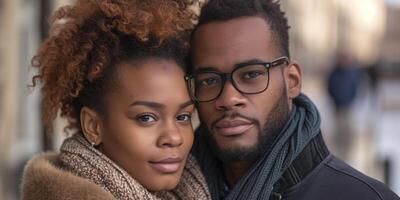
(234, 171)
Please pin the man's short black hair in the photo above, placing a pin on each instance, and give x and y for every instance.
(269, 10)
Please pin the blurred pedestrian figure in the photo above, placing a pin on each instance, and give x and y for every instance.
(343, 82)
(373, 77)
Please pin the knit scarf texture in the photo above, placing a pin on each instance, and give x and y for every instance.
(302, 126)
(79, 157)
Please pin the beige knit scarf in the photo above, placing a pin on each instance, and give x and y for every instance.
(79, 157)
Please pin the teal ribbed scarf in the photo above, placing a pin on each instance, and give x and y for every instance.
(302, 126)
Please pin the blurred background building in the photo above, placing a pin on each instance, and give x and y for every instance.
(367, 31)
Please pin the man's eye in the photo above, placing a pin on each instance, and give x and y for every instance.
(184, 117)
(208, 82)
(252, 74)
(146, 118)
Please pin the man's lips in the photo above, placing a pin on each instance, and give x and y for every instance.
(232, 127)
(167, 165)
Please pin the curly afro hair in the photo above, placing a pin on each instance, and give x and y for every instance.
(90, 38)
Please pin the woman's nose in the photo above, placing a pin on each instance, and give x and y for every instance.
(171, 136)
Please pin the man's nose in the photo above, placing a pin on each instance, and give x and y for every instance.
(230, 98)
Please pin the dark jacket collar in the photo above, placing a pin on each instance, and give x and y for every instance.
(312, 155)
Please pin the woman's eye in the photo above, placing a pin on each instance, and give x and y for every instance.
(146, 118)
(184, 117)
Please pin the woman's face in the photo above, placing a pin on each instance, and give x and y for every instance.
(147, 128)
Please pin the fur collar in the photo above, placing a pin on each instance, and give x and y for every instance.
(45, 179)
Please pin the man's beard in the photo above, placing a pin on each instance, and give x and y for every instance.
(266, 135)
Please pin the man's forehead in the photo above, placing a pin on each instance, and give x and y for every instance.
(231, 27)
(227, 43)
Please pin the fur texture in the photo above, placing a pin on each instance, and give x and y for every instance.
(44, 179)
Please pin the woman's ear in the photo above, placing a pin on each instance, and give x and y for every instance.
(293, 80)
(91, 125)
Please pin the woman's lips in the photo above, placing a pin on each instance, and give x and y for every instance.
(168, 165)
(232, 127)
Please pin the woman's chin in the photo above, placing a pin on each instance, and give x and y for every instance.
(163, 183)
(160, 186)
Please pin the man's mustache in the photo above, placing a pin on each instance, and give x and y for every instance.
(233, 115)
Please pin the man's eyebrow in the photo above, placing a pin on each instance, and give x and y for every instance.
(150, 104)
(249, 62)
(239, 64)
(205, 69)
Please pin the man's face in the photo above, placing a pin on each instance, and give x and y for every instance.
(241, 125)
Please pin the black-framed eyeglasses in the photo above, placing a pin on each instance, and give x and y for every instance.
(247, 78)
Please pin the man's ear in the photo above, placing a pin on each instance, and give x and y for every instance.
(91, 125)
(293, 80)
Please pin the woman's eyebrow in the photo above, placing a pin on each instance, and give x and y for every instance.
(159, 106)
(150, 104)
(186, 104)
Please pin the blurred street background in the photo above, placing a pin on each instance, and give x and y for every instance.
(349, 51)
